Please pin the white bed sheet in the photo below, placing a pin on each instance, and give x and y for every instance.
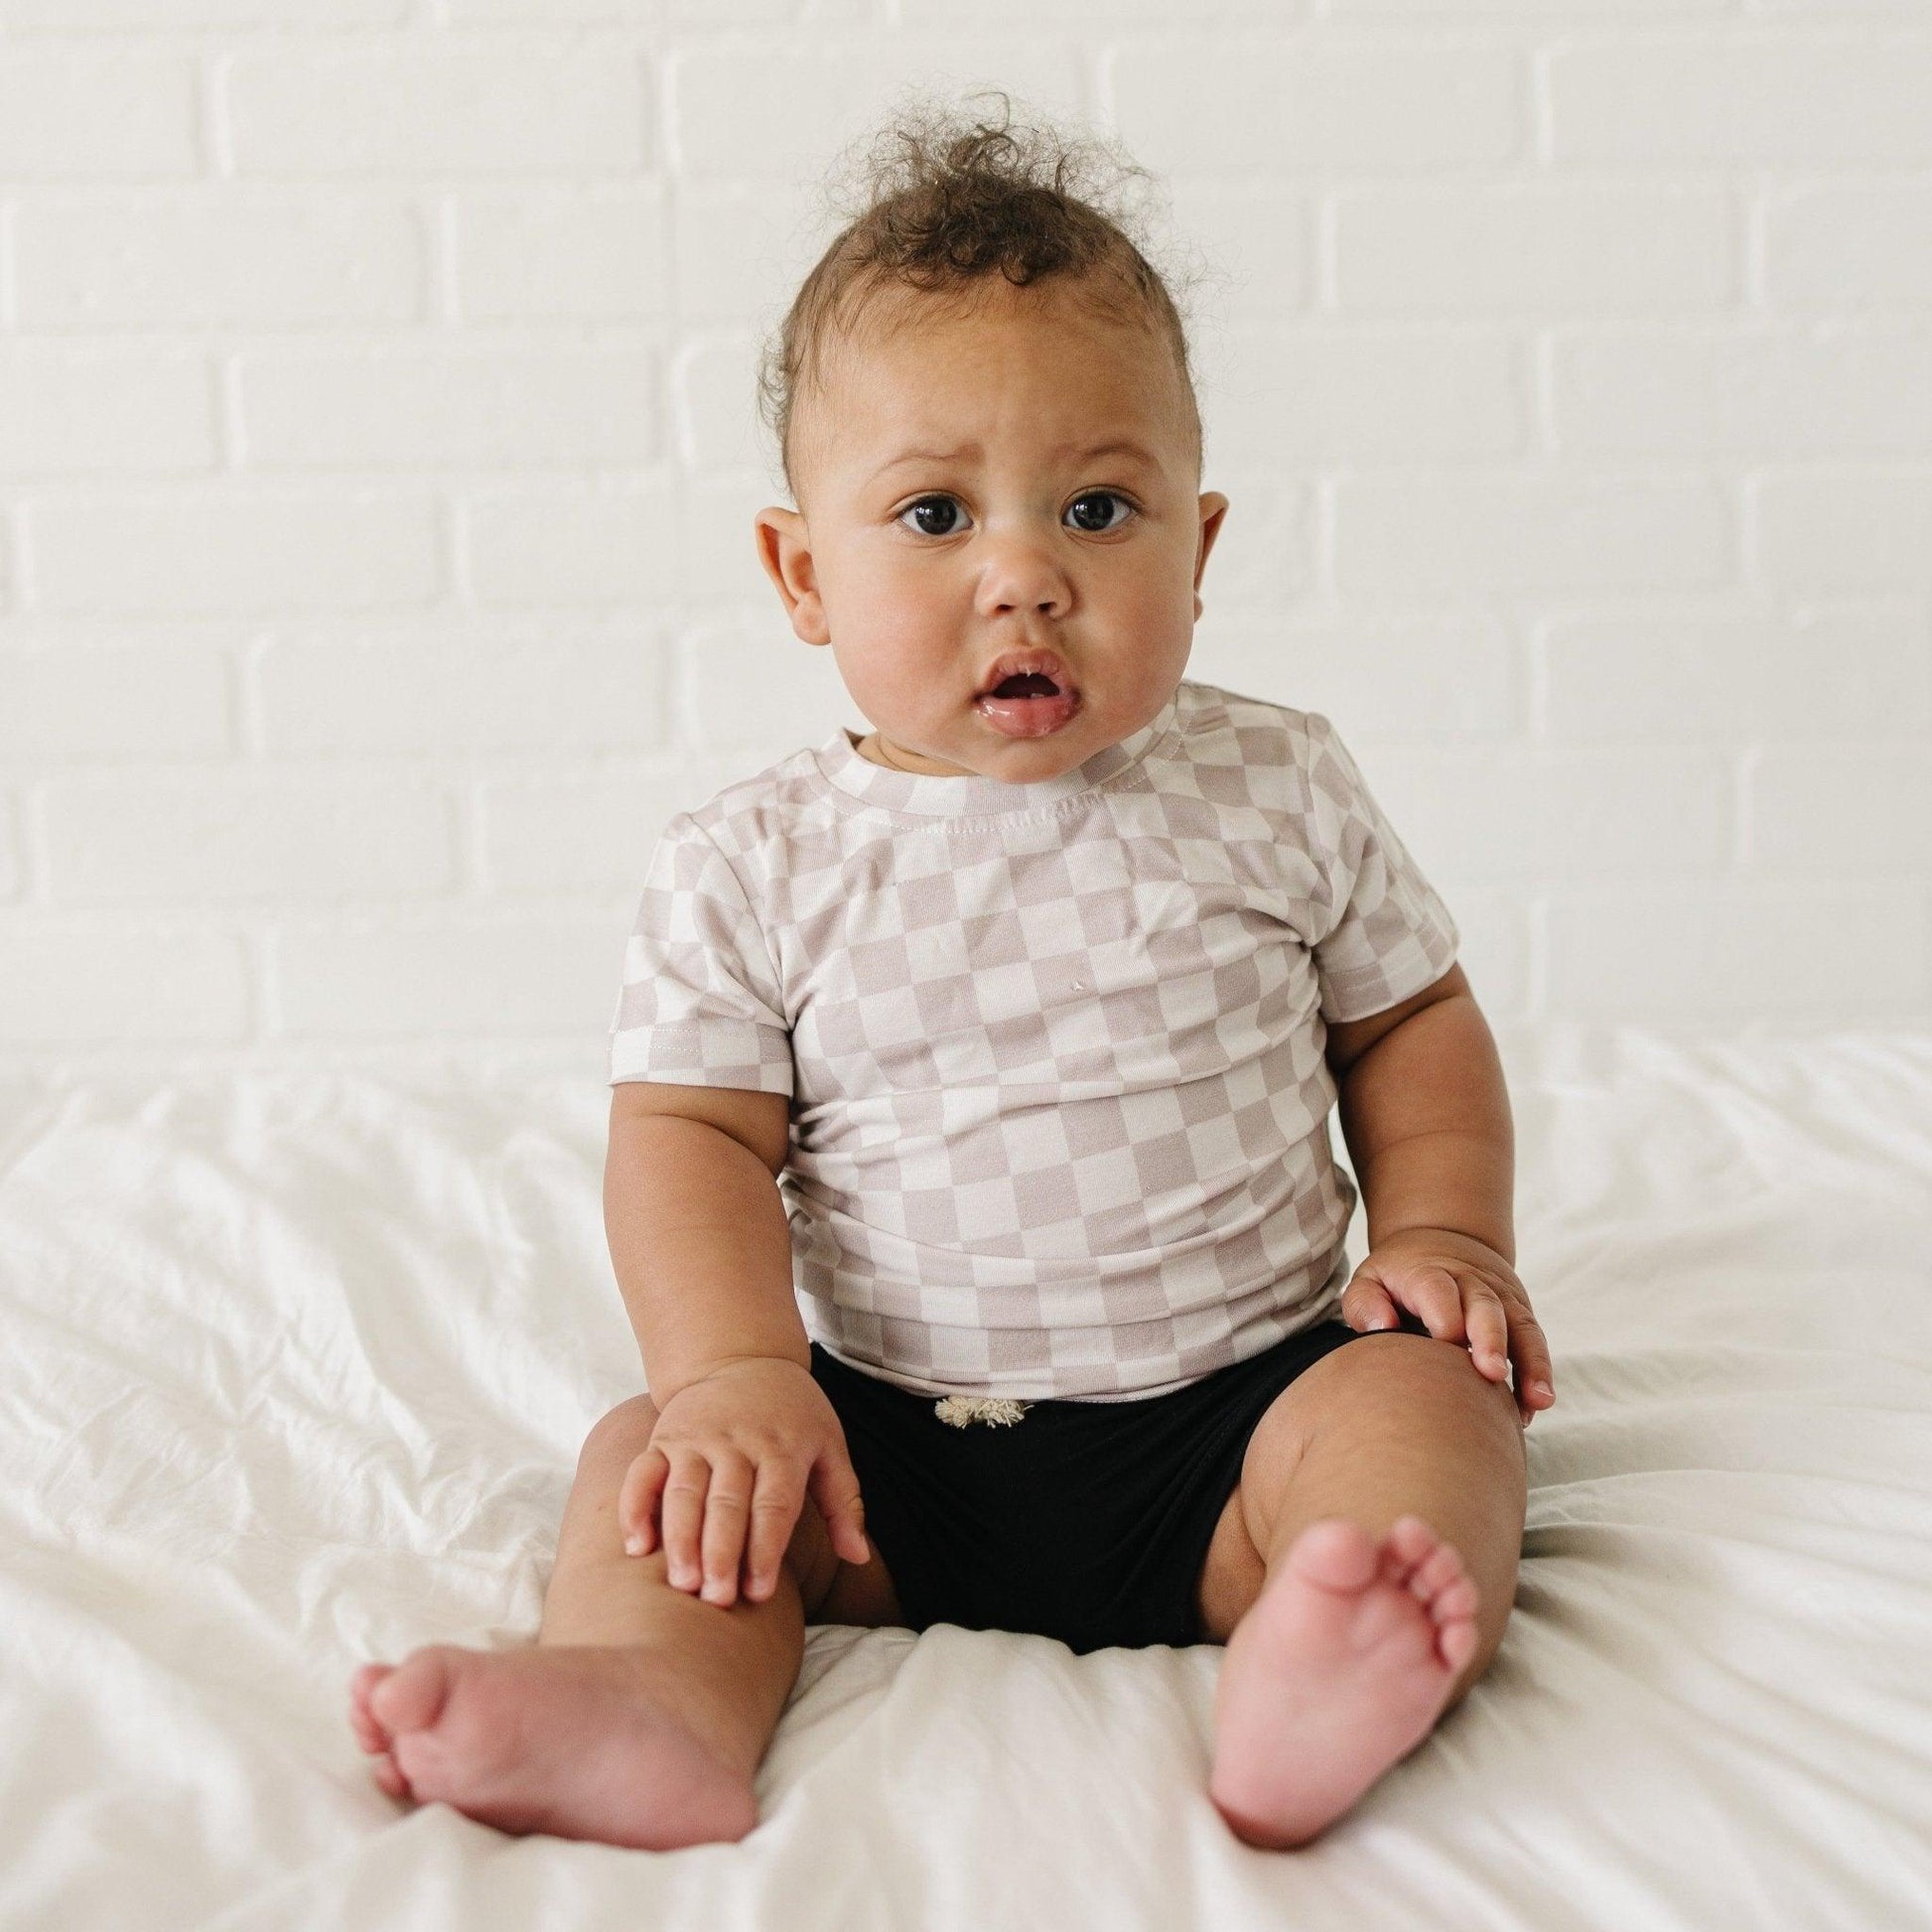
(297, 1371)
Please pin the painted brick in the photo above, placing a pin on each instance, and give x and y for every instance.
(1836, 247)
(1265, 554)
(1843, 810)
(783, 113)
(559, 835)
(1751, 392)
(1527, 815)
(562, 256)
(550, 973)
(1426, 676)
(1561, 248)
(154, 16)
(221, 838)
(235, 551)
(1365, 393)
(406, 694)
(65, 985)
(551, 407)
(256, 257)
(80, 116)
(1254, 244)
(89, 705)
(1244, 109)
(1635, 955)
(567, 546)
(1841, 531)
(1482, 534)
(389, 110)
(76, 412)
(379, 447)
(1650, 677)
(1753, 99)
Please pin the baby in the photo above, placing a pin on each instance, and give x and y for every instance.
(969, 1185)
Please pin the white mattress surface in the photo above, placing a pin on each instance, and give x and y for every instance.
(298, 1367)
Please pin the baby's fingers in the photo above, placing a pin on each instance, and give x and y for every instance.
(1367, 1305)
(775, 1503)
(1489, 1331)
(683, 1514)
(1535, 1379)
(638, 1500)
(835, 1488)
(727, 1517)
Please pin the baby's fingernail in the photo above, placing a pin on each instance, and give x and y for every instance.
(633, 1545)
(1543, 1388)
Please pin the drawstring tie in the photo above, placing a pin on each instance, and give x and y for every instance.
(960, 1410)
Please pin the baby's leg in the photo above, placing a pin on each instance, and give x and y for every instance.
(641, 1713)
(1383, 1494)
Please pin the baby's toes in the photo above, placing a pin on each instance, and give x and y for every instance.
(388, 1775)
(1456, 1637)
(1440, 1569)
(411, 1696)
(1336, 1554)
(369, 1733)
(1413, 1539)
(1452, 1609)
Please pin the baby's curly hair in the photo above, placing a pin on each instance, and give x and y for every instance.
(945, 200)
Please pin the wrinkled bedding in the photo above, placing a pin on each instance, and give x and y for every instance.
(296, 1370)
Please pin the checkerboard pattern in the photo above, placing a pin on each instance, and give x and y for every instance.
(1059, 1100)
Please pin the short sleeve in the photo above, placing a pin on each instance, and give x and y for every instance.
(1388, 933)
(701, 1004)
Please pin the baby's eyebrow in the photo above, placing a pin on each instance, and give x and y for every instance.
(1118, 446)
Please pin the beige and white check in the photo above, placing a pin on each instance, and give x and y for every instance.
(1055, 1050)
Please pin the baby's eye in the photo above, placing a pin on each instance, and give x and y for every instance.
(1098, 496)
(926, 506)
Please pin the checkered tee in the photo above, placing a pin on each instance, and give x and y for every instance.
(1055, 1050)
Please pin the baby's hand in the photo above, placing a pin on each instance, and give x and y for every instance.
(1463, 1291)
(732, 1457)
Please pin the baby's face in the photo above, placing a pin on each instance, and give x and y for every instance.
(1022, 479)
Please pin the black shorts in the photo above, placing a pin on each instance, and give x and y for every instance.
(1085, 1521)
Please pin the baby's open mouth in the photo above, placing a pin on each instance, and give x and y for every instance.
(1030, 703)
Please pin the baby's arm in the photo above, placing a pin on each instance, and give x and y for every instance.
(702, 1257)
(697, 1228)
(1425, 1111)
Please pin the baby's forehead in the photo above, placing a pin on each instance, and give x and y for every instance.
(887, 318)
(874, 393)
(874, 362)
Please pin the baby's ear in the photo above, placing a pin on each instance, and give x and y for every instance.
(1214, 513)
(785, 549)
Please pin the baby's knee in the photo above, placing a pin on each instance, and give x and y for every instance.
(619, 1436)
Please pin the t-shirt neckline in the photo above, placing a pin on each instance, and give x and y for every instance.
(924, 794)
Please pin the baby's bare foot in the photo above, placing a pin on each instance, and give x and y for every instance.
(1341, 1668)
(579, 1742)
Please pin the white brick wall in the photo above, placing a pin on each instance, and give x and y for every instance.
(378, 452)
